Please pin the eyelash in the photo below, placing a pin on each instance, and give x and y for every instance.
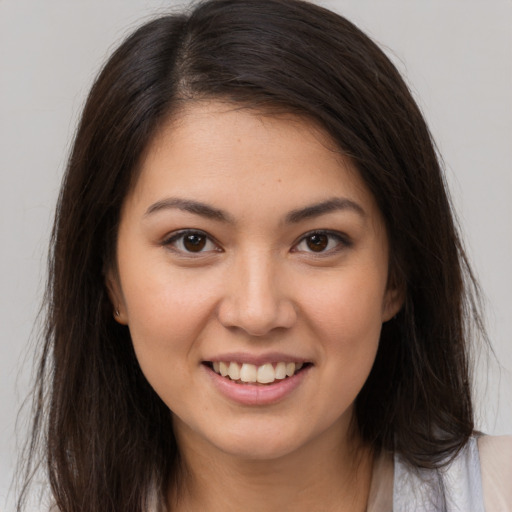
(341, 242)
(179, 237)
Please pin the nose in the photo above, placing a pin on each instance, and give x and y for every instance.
(255, 300)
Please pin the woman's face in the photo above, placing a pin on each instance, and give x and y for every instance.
(249, 246)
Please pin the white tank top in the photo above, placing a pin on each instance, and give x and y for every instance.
(455, 488)
(479, 479)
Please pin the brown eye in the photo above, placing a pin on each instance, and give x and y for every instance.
(191, 242)
(323, 243)
(317, 242)
(194, 242)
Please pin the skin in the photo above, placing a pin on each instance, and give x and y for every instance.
(256, 287)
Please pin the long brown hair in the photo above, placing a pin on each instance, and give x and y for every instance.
(106, 435)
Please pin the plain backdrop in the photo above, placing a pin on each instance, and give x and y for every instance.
(456, 57)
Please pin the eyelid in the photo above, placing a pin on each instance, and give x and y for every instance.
(171, 238)
(343, 242)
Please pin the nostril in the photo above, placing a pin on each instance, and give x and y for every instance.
(257, 316)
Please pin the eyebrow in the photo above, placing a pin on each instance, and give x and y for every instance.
(293, 217)
(191, 206)
(331, 205)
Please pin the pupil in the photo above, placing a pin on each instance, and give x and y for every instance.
(194, 243)
(318, 243)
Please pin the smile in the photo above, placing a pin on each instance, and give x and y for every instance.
(247, 373)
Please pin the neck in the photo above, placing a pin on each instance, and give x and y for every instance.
(331, 474)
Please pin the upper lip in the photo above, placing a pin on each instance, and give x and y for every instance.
(257, 359)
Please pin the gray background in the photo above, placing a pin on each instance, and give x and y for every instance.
(456, 55)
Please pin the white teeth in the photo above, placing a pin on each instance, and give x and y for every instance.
(223, 368)
(280, 370)
(264, 374)
(248, 373)
(234, 371)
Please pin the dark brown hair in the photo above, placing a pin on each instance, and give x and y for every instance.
(107, 436)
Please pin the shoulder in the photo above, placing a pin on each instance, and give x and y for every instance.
(496, 467)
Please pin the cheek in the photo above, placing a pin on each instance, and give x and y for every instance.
(164, 326)
(166, 313)
(345, 315)
(166, 304)
(348, 307)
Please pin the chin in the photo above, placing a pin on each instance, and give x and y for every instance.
(263, 441)
(260, 449)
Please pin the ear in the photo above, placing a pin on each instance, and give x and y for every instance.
(393, 301)
(116, 297)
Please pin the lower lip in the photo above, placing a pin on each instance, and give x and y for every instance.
(257, 394)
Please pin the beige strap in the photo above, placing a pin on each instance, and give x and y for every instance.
(496, 468)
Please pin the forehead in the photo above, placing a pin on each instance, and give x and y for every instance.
(230, 156)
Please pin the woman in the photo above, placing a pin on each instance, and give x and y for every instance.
(258, 299)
